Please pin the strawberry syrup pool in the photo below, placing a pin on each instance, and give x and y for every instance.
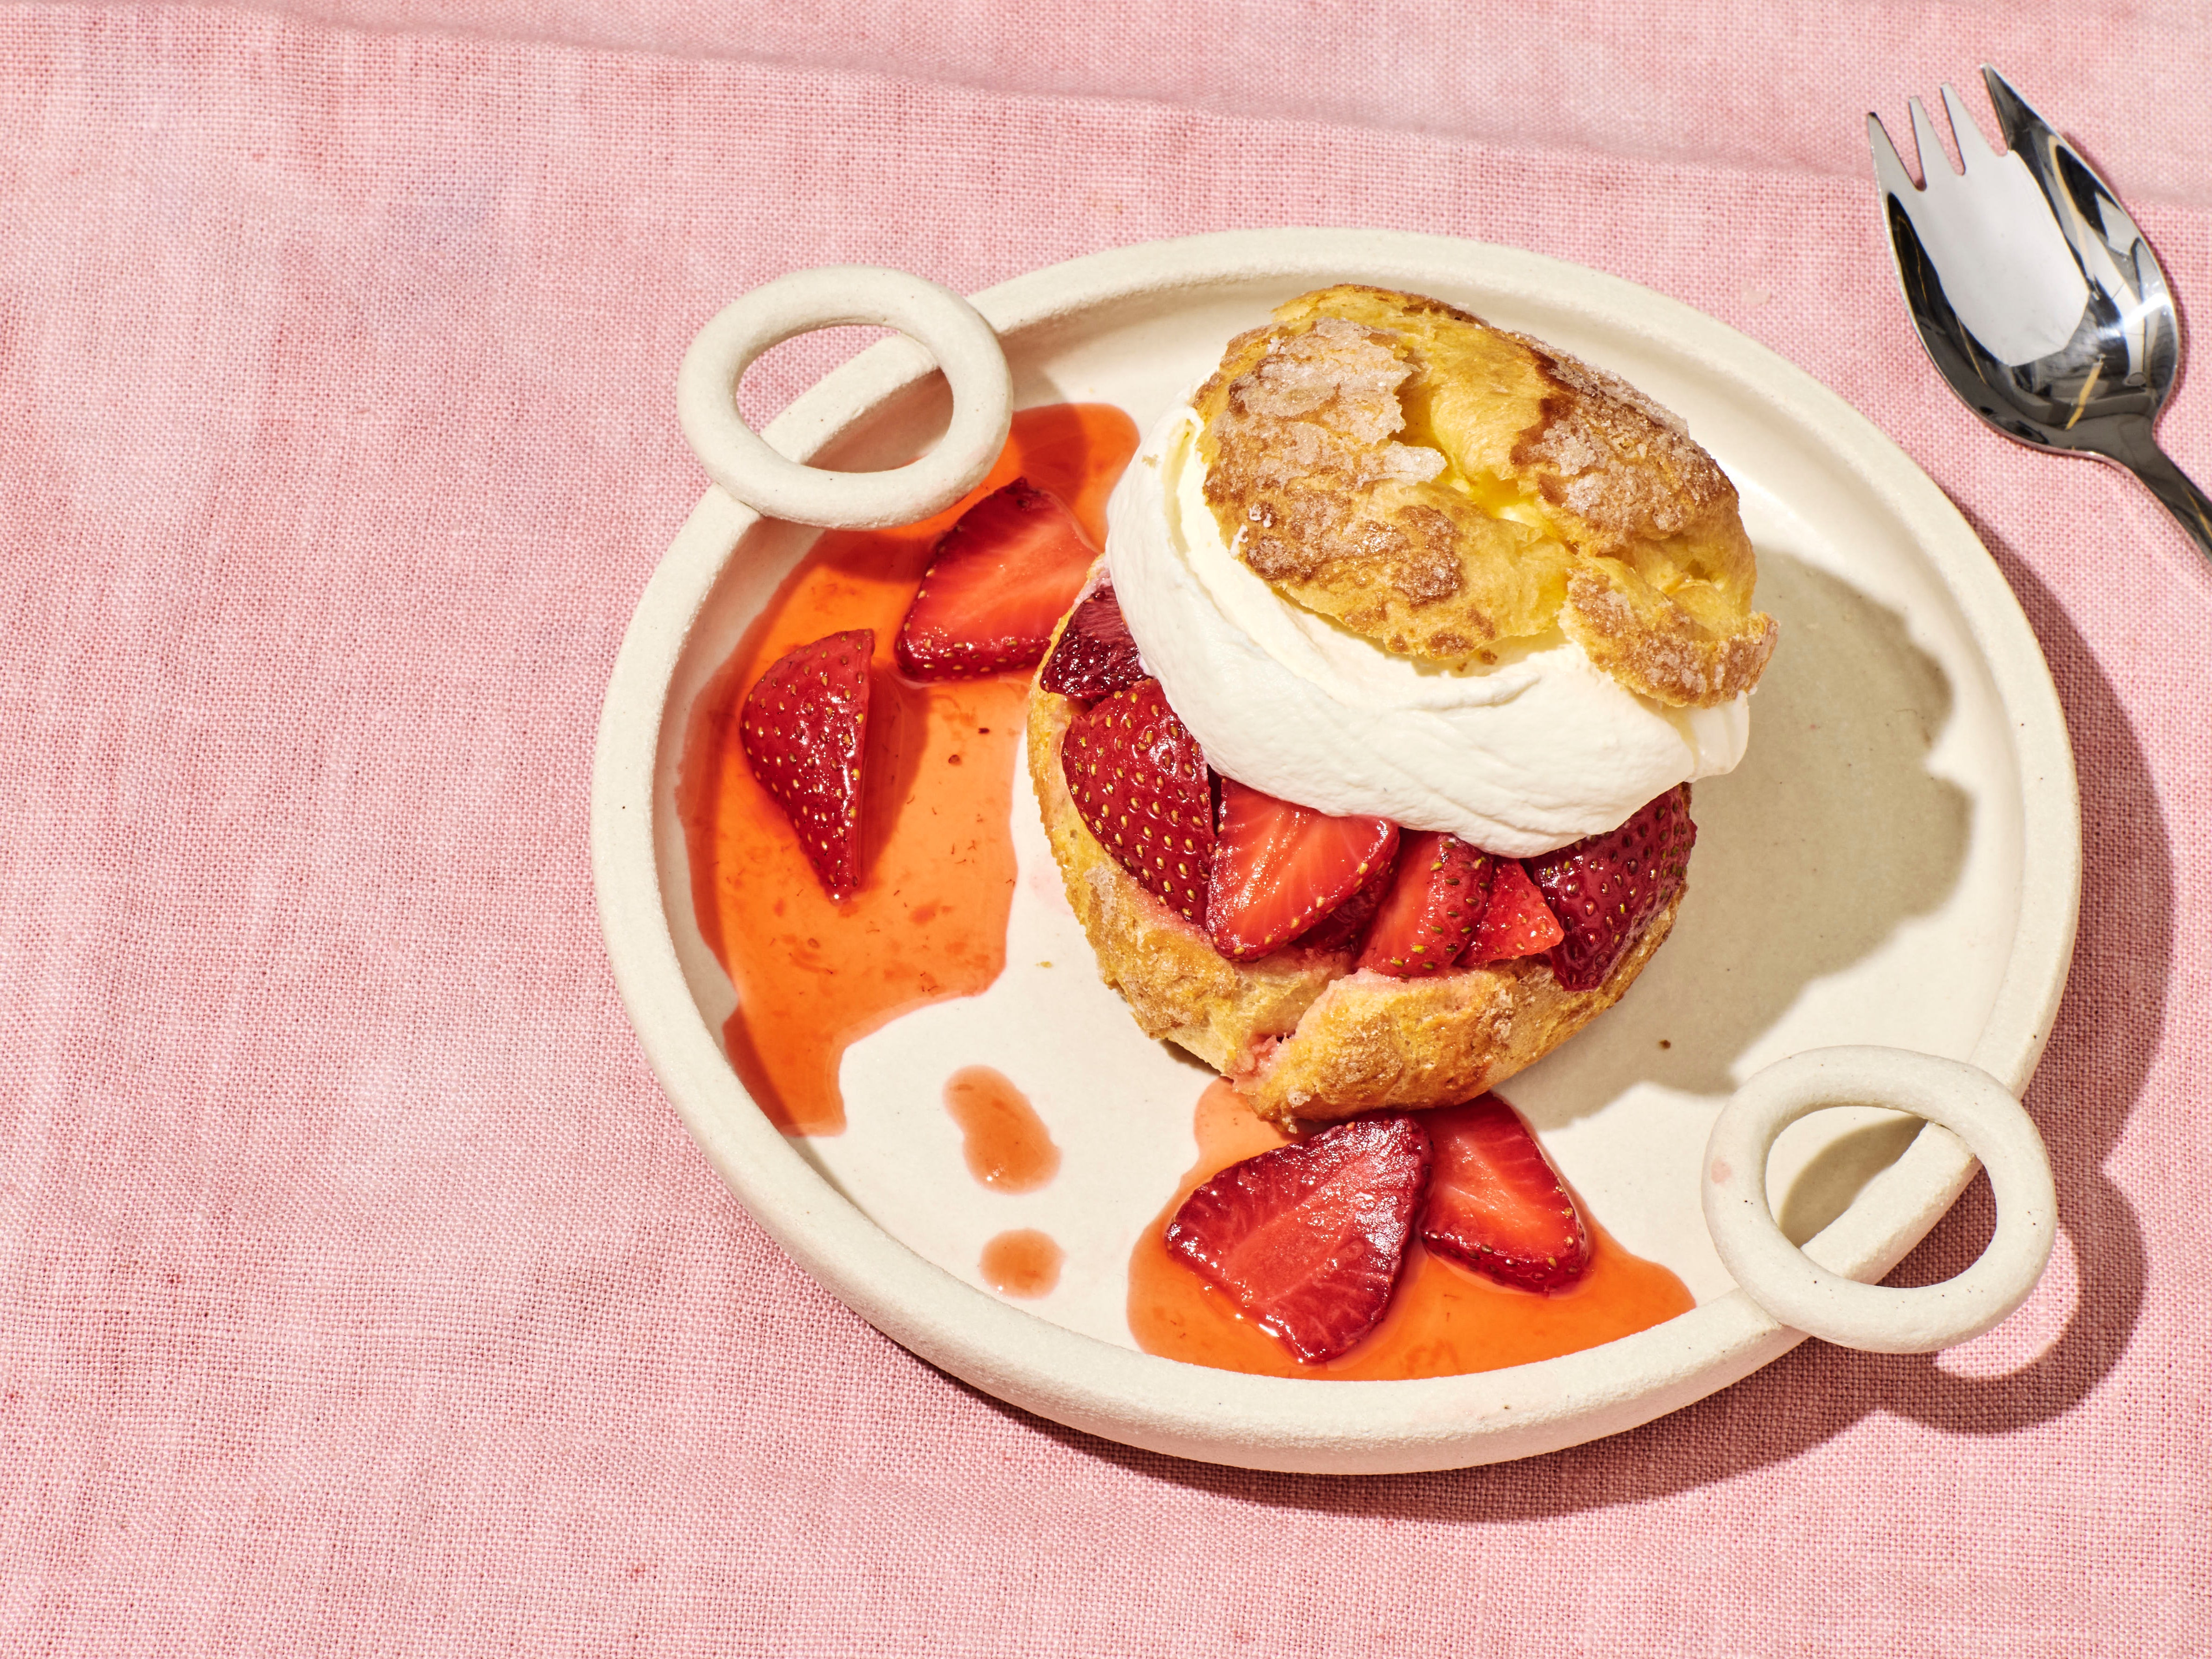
(812, 974)
(1443, 1320)
(815, 979)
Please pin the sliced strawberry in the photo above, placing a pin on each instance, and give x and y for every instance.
(1095, 656)
(802, 727)
(998, 584)
(1307, 1239)
(1516, 922)
(1605, 889)
(1432, 909)
(1495, 1204)
(1339, 930)
(1140, 781)
(1279, 868)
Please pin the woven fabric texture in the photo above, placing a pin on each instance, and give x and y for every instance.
(359, 1290)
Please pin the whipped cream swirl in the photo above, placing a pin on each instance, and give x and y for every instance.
(1531, 753)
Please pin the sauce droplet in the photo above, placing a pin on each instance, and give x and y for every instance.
(1024, 1262)
(1006, 1142)
(1443, 1320)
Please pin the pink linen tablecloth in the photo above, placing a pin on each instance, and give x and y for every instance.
(359, 1290)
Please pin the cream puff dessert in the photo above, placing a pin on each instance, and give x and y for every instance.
(1365, 751)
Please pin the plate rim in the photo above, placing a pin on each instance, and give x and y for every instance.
(1291, 1424)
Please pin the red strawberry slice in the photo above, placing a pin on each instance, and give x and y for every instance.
(1339, 930)
(1517, 922)
(802, 727)
(1605, 889)
(1141, 783)
(1307, 1239)
(1432, 909)
(1279, 868)
(1495, 1204)
(998, 584)
(1095, 656)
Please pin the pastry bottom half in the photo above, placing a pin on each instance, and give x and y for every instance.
(1299, 1034)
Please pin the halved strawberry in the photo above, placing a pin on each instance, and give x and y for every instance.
(1516, 922)
(1432, 909)
(1495, 1202)
(1603, 889)
(1279, 868)
(802, 727)
(1307, 1239)
(1095, 656)
(999, 581)
(1339, 930)
(1141, 783)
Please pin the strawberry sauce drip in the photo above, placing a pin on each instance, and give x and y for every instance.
(814, 975)
(1024, 1262)
(1005, 1143)
(1443, 1320)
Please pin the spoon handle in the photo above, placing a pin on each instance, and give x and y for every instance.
(2130, 443)
(2190, 506)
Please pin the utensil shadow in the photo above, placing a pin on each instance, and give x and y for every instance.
(2100, 1054)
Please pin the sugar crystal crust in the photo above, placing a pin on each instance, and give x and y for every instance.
(1440, 486)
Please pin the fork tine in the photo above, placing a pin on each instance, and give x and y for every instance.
(1932, 153)
(2015, 115)
(1889, 167)
(1973, 143)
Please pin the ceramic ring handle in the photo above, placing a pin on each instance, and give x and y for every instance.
(1791, 1286)
(945, 325)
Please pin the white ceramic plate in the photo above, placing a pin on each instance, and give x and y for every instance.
(1898, 862)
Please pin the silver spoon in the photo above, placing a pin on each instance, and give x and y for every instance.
(2038, 298)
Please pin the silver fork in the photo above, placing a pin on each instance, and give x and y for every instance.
(2038, 298)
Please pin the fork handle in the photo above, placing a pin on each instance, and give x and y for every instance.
(2135, 449)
